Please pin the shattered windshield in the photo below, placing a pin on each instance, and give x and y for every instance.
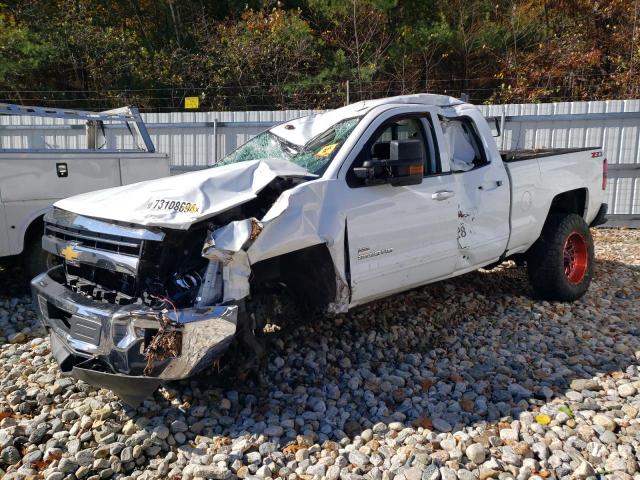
(314, 156)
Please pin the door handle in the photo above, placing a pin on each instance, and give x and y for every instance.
(442, 195)
(494, 184)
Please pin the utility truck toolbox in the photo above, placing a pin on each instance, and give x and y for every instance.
(158, 279)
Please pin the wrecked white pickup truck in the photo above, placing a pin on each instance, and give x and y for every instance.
(333, 210)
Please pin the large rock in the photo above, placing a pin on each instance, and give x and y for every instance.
(626, 390)
(476, 453)
(580, 384)
(604, 421)
(358, 458)
(441, 425)
(211, 472)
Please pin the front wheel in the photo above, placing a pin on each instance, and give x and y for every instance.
(560, 263)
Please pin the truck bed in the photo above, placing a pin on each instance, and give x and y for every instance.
(535, 183)
(528, 154)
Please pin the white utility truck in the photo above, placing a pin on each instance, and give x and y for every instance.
(31, 179)
(331, 210)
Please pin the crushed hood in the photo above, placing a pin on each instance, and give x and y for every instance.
(180, 201)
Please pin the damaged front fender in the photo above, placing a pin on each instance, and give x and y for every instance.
(302, 218)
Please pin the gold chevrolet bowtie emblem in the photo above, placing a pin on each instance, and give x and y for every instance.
(69, 253)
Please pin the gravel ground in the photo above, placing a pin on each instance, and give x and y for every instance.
(464, 379)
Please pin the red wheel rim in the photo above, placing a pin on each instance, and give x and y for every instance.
(575, 258)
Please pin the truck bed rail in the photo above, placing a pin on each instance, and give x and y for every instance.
(530, 153)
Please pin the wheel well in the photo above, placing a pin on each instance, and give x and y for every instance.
(308, 274)
(573, 201)
(34, 230)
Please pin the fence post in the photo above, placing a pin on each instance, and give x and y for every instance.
(215, 140)
(502, 121)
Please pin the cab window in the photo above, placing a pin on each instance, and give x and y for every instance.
(380, 145)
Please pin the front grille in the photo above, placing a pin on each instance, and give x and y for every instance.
(98, 241)
(96, 275)
(102, 260)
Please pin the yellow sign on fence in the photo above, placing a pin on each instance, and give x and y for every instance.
(191, 102)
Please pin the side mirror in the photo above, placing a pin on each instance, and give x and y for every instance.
(405, 167)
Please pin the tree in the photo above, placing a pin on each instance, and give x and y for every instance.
(260, 59)
(21, 53)
(300, 53)
(587, 50)
(358, 35)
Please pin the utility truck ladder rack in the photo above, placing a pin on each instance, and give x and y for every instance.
(95, 123)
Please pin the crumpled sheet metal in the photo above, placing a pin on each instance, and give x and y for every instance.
(225, 245)
(200, 195)
(206, 333)
(235, 276)
(293, 222)
(232, 237)
(306, 128)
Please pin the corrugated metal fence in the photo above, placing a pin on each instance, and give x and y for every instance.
(195, 139)
(613, 125)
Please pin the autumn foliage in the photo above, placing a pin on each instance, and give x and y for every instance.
(258, 54)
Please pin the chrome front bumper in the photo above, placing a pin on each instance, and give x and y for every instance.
(109, 340)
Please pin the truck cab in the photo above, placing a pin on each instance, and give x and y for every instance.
(470, 206)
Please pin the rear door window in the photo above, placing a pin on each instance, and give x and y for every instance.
(463, 143)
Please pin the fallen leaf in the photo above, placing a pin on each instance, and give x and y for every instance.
(425, 422)
(43, 464)
(398, 395)
(543, 419)
(467, 405)
(426, 384)
(292, 448)
(221, 441)
(566, 409)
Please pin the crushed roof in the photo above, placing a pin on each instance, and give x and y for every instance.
(301, 130)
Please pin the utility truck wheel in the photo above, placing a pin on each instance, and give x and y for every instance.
(560, 263)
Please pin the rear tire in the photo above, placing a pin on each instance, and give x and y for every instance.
(560, 263)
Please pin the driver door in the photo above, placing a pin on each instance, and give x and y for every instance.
(403, 236)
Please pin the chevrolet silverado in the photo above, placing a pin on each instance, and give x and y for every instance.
(332, 210)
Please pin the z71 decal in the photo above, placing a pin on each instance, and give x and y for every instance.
(596, 154)
(175, 205)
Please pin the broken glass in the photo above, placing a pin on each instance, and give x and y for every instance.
(314, 156)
